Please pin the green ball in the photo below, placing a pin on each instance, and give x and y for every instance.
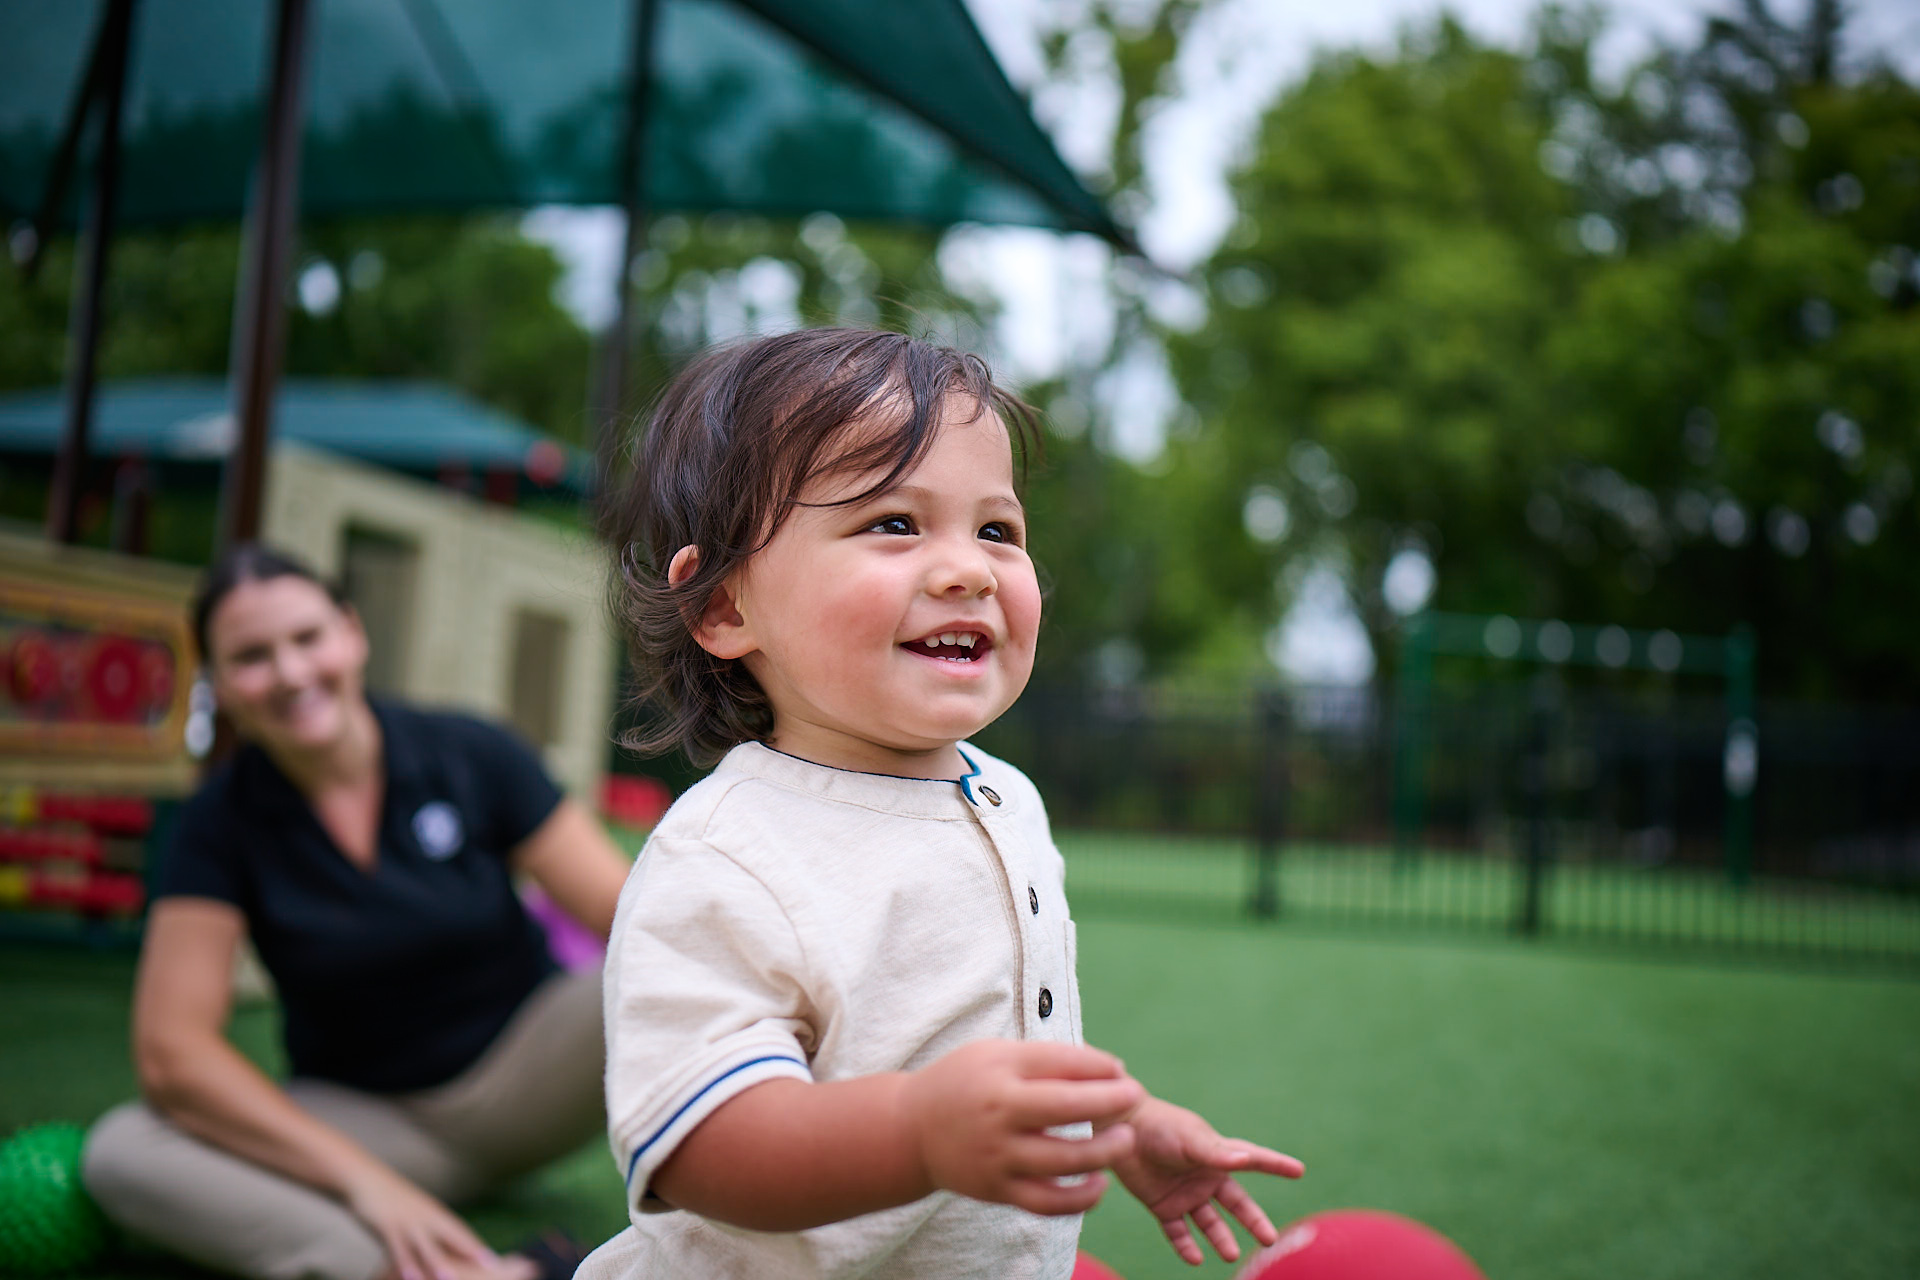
(48, 1222)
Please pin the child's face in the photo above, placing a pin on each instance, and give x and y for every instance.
(835, 613)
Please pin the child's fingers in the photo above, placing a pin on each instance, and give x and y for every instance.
(1234, 1199)
(1039, 1060)
(1267, 1160)
(1046, 1196)
(1041, 1104)
(1036, 1156)
(1233, 1155)
(1218, 1233)
(1182, 1241)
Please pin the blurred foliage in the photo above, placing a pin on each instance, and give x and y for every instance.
(1639, 349)
(470, 302)
(465, 301)
(1644, 354)
(705, 279)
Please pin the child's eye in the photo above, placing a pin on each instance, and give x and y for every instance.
(1000, 531)
(899, 526)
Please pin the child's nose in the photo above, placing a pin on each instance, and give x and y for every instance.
(964, 570)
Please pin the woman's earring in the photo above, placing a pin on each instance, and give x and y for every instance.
(200, 711)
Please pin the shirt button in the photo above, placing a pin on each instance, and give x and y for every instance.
(993, 797)
(1046, 1003)
(1033, 900)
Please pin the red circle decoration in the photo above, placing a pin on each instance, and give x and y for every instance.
(113, 678)
(34, 672)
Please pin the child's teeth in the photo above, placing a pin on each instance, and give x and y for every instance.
(964, 639)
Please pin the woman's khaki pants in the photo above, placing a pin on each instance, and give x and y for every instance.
(533, 1096)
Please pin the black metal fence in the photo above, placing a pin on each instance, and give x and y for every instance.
(1531, 807)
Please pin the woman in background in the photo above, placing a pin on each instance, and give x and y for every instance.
(369, 850)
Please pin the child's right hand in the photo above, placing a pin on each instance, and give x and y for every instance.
(979, 1117)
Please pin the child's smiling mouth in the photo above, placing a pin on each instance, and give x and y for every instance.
(964, 645)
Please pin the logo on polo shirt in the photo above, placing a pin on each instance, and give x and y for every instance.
(438, 828)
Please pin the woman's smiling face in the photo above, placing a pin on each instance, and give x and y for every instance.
(885, 630)
(286, 662)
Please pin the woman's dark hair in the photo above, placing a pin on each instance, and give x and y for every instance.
(721, 464)
(242, 563)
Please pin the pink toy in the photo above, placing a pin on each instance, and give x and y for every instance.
(573, 948)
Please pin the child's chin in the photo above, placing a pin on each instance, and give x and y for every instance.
(956, 730)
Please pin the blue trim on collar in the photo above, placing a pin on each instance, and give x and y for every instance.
(704, 1090)
(966, 781)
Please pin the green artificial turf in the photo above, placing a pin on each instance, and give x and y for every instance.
(1562, 1114)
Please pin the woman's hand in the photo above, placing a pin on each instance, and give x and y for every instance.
(979, 1118)
(423, 1238)
(1180, 1168)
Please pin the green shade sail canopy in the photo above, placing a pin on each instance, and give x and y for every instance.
(883, 109)
(419, 427)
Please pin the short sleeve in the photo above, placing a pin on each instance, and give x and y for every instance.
(514, 790)
(201, 859)
(706, 996)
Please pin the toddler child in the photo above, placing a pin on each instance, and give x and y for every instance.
(843, 1032)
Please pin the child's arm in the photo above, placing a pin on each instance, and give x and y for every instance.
(1180, 1168)
(786, 1155)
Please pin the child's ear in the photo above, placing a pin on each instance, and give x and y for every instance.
(721, 630)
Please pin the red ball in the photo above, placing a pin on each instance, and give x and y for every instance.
(1088, 1267)
(1360, 1244)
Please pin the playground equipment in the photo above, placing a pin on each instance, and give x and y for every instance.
(94, 704)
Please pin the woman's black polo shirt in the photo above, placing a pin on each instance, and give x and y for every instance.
(395, 979)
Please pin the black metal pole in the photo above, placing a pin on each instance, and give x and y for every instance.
(615, 343)
(1269, 800)
(1534, 780)
(83, 326)
(132, 506)
(260, 319)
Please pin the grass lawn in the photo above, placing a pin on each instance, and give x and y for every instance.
(1561, 1114)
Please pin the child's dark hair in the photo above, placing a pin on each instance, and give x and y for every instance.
(722, 462)
(242, 563)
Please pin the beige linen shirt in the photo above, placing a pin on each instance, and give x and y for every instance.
(790, 919)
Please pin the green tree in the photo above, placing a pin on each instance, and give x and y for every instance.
(1375, 357)
(1645, 354)
(466, 301)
